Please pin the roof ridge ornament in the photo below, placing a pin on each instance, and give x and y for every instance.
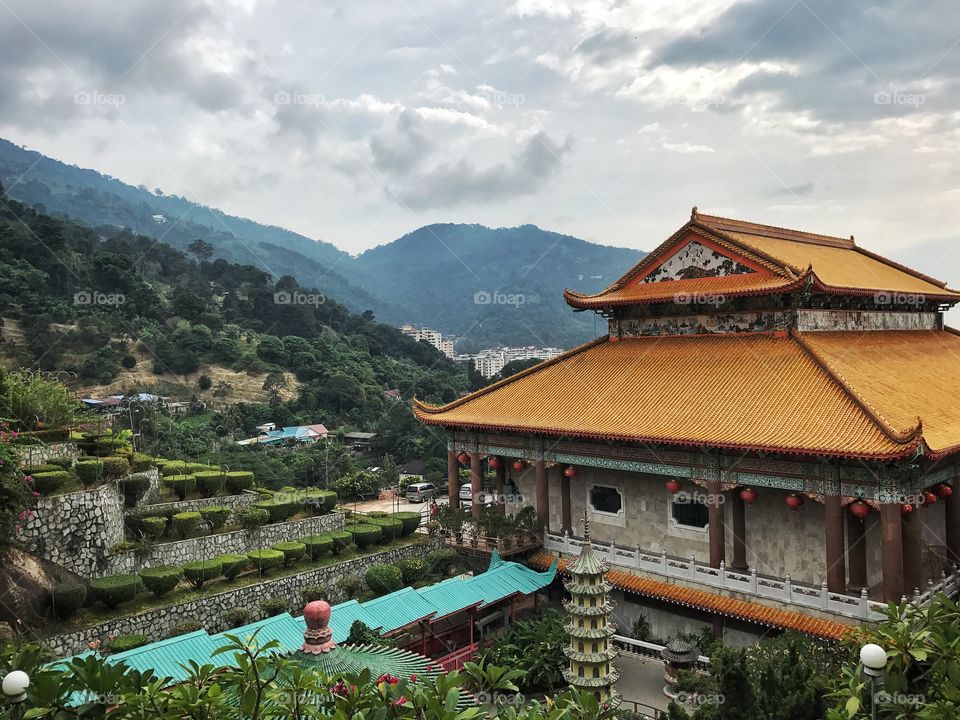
(694, 214)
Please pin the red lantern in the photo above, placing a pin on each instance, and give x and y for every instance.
(860, 509)
(749, 495)
(906, 509)
(929, 498)
(571, 471)
(943, 490)
(673, 486)
(793, 501)
(494, 462)
(519, 465)
(463, 459)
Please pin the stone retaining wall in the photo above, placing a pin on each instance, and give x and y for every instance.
(234, 502)
(209, 611)
(237, 542)
(40, 454)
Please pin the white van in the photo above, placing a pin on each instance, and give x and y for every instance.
(421, 492)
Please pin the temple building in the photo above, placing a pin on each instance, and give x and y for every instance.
(767, 434)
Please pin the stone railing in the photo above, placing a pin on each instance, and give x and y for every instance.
(238, 542)
(631, 646)
(782, 590)
(209, 611)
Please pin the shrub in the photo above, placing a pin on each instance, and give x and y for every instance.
(160, 580)
(235, 617)
(266, 560)
(439, 561)
(34, 469)
(154, 527)
(341, 540)
(90, 472)
(413, 569)
(122, 643)
(313, 592)
(279, 510)
(64, 463)
(410, 520)
(233, 565)
(378, 514)
(216, 516)
(204, 382)
(140, 462)
(383, 579)
(238, 481)
(47, 483)
(128, 361)
(185, 523)
(318, 545)
(134, 488)
(292, 551)
(327, 497)
(202, 571)
(210, 482)
(115, 467)
(365, 535)
(187, 626)
(273, 606)
(116, 589)
(253, 517)
(390, 529)
(180, 485)
(182, 467)
(67, 598)
(350, 585)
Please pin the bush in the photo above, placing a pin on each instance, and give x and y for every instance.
(160, 580)
(116, 589)
(412, 569)
(390, 529)
(341, 540)
(128, 361)
(278, 510)
(210, 482)
(378, 514)
(233, 565)
(383, 579)
(185, 523)
(238, 481)
(293, 552)
(64, 463)
(266, 560)
(317, 545)
(154, 527)
(182, 467)
(47, 483)
(134, 488)
(313, 592)
(410, 520)
(273, 606)
(115, 467)
(67, 598)
(216, 516)
(327, 497)
(350, 585)
(365, 535)
(122, 643)
(204, 382)
(140, 462)
(439, 561)
(90, 472)
(180, 485)
(235, 617)
(202, 571)
(253, 517)
(187, 626)
(34, 469)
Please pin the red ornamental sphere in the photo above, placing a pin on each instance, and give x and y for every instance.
(673, 486)
(749, 495)
(793, 501)
(494, 462)
(519, 465)
(571, 471)
(906, 509)
(943, 490)
(929, 498)
(860, 509)
(463, 458)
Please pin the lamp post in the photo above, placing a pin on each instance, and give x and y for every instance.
(874, 661)
(15, 686)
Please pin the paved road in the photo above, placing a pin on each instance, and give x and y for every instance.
(390, 505)
(641, 680)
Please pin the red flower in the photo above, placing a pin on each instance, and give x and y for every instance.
(413, 678)
(402, 700)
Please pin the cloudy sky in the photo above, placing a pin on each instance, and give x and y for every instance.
(357, 121)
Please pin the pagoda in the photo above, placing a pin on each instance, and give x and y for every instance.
(589, 628)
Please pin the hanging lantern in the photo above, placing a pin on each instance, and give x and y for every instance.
(519, 465)
(906, 509)
(494, 462)
(749, 495)
(793, 501)
(929, 498)
(943, 490)
(463, 458)
(860, 509)
(570, 471)
(673, 486)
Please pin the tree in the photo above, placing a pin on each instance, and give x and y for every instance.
(201, 248)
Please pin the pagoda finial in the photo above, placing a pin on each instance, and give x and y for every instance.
(586, 526)
(694, 213)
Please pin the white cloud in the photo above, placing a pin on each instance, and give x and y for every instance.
(685, 148)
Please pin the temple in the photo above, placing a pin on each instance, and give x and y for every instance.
(767, 433)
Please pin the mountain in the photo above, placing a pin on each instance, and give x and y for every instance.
(492, 286)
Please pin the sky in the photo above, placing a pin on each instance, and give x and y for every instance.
(356, 122)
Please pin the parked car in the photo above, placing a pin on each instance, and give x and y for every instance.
(421, 492)
(466, 497)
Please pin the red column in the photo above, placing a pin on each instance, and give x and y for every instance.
(951, 516)
(715, 525)
(913, 574)
(453, 479)
(856, 554)
(739, 533)
(891, 539)
(543, 493)
(566, 520)
(476, 483)
(501, 483)
(833, 536)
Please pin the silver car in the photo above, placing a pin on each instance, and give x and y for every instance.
(421, 492)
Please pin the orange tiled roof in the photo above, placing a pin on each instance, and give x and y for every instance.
(711, 602)
(758, 392)
(833, 265)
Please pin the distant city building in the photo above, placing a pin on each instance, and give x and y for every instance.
(492, 360)
(433, 337)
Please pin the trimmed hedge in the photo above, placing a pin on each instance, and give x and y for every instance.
(134, 488)
(181, 467)
(185, 523)
(197, 573)
(383, 579)
(411, 521)
(235, 617)
(34, 469)
(327, 497)
(115, 467)
(47, 483)
(154, 527)
(122, 643)
(67, 598)
(64, 463)
(266, 560)
(116, 589)
(253, 517)
(210, 482)
(279, 510)
(180, 485)
(161, 580)
(238, 481)
(341, 540)
(440, 560)
(216, 516)
(313, 592)
(412, 569)
(378, 514)
(273, 606)
(293, 552)
(140, 462)
(233, 565)
(317, 545)
(89, 471)
(365, 535)
(390, 529)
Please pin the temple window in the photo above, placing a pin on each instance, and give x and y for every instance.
(689, 513)
(604, 499)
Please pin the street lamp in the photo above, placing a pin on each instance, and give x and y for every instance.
(874, 661)
(15, 686)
